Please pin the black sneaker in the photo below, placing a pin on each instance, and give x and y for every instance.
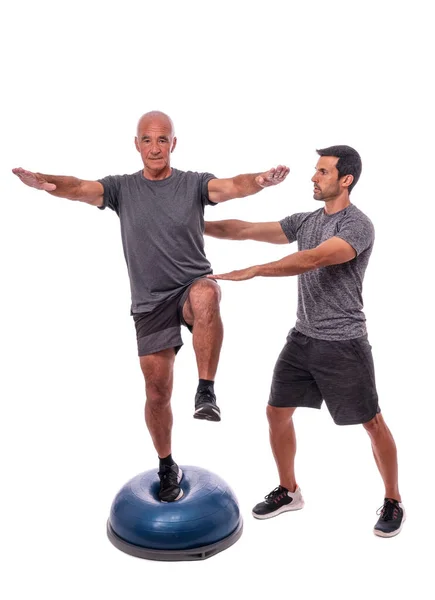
(392, 517)
(170, 478)
(278, 501)
(205, 405)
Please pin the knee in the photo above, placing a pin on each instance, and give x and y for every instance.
(158, 393)
(271, 415)
(375, 425)
(278, 417)
(205, 294)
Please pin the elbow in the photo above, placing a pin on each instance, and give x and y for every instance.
(314, 260)
(236, 236)
(241, 233)
(235, 230)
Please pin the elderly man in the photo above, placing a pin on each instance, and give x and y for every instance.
(161, 210)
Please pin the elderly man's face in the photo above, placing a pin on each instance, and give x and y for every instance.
(155, 142)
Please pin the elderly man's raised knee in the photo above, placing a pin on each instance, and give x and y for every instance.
(204, 292)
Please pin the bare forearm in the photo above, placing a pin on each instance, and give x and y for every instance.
(91, 192)
(246, 184)
(334, 251)
(295, 264)
(230, 229)
(66, 187)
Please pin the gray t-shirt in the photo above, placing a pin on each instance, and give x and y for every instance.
(330, 304)
(162, 229)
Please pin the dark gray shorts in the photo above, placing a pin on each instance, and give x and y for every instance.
(161, 328)
(342, 374)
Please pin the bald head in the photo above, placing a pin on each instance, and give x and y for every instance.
(155, 140)
(158, 118)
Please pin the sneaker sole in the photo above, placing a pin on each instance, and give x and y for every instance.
(215, 416)
(181, 494)
(383, 534)
(287, 508)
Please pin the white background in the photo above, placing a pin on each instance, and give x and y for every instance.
(249, 85)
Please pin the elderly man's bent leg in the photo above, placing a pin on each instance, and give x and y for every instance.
(201, 312)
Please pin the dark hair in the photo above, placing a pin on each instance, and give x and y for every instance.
(349, 161)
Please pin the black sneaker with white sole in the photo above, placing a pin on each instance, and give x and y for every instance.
(278, 501)
(205, 405)
(392, 517)
(170, 478)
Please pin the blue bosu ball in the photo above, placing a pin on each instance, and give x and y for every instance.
(205, 521)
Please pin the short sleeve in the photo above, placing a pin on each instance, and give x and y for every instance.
(205, 178)
(112, 186)
(358, 231)
(291, 224)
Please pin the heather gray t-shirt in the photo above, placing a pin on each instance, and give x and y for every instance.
(162, 229)
(330, 304)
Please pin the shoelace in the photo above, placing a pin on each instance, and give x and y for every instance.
(168, 475)
(386, 511)
(206, 394)
(274, 493)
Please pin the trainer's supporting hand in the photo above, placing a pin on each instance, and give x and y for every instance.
(241, 275)
(273, 176)
(34, 180)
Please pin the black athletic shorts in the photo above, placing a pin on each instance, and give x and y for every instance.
(161, 328)
(309, 371)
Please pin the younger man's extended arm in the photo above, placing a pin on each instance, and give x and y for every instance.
(232, 229)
